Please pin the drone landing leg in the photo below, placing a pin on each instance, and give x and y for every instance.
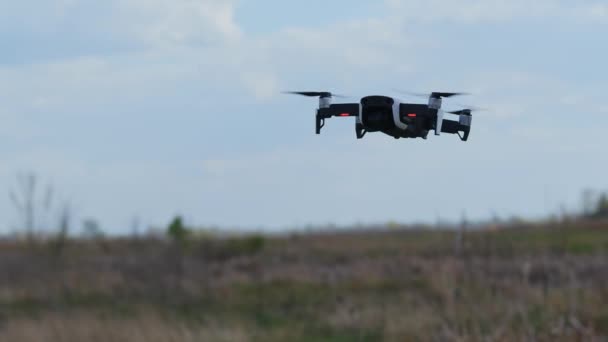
(360, 131)
(319, 124)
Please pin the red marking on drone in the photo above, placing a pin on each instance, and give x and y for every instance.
(412, 115)
(344, 114)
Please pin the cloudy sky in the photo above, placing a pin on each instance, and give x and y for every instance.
(151, 108)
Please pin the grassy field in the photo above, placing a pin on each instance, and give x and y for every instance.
(526, 282)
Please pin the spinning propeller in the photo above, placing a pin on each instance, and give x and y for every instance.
(321, 94)
(439, 95)
(468, 110)
(324, 96)
(434, 95)
(462, 112)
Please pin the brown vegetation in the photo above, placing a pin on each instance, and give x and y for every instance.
(532, 282)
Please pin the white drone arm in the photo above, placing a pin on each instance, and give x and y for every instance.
(439, 123)
(435, 103)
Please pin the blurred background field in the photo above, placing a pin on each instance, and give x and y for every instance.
(506, 281)
(162, 187)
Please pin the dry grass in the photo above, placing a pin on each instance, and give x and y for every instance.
(526, 283)
(84, 327)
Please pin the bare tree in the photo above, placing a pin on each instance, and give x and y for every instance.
(34, 205)
(61, 239)
(588, 199)
(27, 204)
(135, 227)
(460, 235)
(91, 229)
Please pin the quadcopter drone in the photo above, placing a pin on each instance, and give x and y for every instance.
(390, 116)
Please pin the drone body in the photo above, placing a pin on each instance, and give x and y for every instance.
(389, 116)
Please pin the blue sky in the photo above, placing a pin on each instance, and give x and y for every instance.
(150, 108)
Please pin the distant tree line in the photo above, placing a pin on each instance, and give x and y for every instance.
(595, 204)
(601, 208)
(40, 214)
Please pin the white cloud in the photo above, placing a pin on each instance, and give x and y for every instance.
(358, 44)
(82, 82)
(180, 39)
(263, 85)
(514, 94)
(133, 23)
(177, 22)
(598, 10)
(192, 49)
(474, 11)
(33, 14)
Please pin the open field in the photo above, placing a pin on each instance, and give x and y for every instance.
(531, 282)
